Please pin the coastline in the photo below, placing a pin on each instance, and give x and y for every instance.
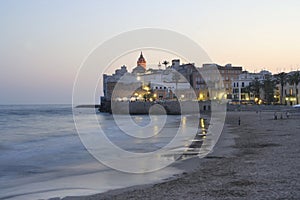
(261, 163)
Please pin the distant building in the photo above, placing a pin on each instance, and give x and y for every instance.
(229, 73)
(181, 81)
(109, 82)
(157, 83)
(290, 94)
(241, 84)
(213, 81)
(140, 65)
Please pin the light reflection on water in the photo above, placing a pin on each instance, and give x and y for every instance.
(193, 148)
(159, 139)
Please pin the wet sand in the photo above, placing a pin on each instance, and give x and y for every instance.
(257, 160)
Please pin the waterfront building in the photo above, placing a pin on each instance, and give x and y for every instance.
(110, 81)
(228, 73)
(290, 95)
(214, 82)
(177, 81)
(143, 83)
(242, 83)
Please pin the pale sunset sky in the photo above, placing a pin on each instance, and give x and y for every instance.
(43, 43)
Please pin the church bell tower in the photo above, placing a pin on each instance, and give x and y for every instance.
(141, 61)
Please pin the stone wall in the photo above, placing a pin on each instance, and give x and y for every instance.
(164, 107)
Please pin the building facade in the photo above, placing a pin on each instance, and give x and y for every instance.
(177, 81)
(290, 92)
(240, 86)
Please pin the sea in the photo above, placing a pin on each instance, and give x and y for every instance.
(43, 156)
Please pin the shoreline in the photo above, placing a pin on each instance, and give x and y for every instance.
(261, 163)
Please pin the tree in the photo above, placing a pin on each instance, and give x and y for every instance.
(281, 79)
(165, 63)
(247, 90)
(268, 86)
(210, 88)
(294, 80)
(255, 87)
(176, 78)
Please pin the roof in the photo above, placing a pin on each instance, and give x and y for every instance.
(138, 69)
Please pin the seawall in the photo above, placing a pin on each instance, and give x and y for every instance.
(164, 107)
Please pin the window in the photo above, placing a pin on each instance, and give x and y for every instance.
(243, 84)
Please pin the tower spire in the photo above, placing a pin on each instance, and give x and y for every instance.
(141, 61)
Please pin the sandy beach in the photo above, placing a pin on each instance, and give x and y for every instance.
(257, 160)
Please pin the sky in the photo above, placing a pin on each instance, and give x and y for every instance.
(43, 43)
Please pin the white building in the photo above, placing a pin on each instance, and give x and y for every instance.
(243, 81)
(163, 84)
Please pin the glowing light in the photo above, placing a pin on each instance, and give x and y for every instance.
(183, 121)
(202, 124)
(201, 96)
(146, 88)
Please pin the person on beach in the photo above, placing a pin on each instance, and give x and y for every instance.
(260, 115)
(287, 115)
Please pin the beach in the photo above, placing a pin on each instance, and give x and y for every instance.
(258, 159)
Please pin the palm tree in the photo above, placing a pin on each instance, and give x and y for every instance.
(247, 90)
(165, 63)
(255, 87)
(176, 78)
(294, 80)
(268, 86)
(281, 79)
(210, 86)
